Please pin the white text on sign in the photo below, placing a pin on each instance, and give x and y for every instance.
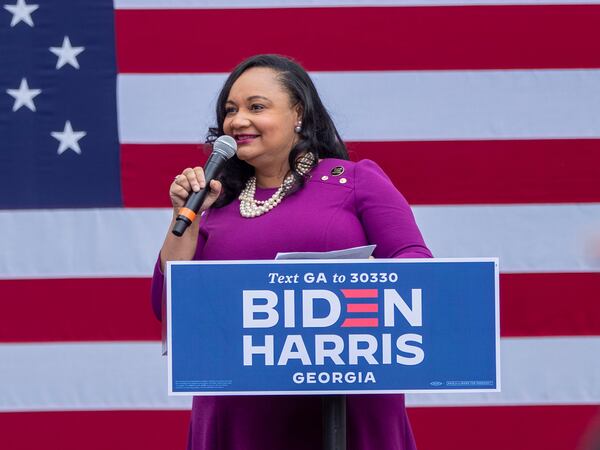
(265, 309)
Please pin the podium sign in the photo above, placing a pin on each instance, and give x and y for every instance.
(333, 326)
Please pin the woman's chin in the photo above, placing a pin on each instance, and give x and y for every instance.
(246, 154)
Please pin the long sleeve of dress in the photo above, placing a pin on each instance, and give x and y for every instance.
(157, 290)
(385, 215)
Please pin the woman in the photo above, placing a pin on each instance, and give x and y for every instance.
(289, 188)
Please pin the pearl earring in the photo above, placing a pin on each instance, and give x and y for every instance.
(298, 127)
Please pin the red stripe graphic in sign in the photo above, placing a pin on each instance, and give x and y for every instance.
(361, 308)
(360, 293)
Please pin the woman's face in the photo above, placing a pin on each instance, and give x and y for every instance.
(261, 118)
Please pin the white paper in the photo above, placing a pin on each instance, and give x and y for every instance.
(348, 253)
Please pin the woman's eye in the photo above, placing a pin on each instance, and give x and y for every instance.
(229, 110)
(257, 107)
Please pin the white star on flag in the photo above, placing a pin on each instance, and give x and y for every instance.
(68, 138)
(23, 96)
(67, 54)
(21, 12)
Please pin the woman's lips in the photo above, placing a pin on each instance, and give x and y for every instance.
(242, 139)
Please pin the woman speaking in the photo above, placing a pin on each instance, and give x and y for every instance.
(290, 188)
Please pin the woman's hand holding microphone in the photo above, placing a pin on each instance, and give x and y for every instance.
(190, 196)
(192, 180)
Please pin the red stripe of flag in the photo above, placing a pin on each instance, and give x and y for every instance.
(360, 293)
(148, 170)
(107, 309)
(550, 304)
(94, 430)
(341, 39)
(488, 172)
(78, 309)
(458, 172)
(532, 427)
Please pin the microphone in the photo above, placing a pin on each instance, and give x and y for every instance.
(223, 149)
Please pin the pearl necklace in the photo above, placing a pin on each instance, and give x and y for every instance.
(250, 207)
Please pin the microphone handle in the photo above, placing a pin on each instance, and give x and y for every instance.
(187, 213)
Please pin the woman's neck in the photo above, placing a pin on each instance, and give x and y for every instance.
(271, 177)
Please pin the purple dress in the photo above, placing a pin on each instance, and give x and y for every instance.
(360, 206)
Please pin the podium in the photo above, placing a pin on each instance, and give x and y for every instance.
(333, 328)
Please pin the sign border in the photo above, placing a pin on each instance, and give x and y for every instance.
(494, 260)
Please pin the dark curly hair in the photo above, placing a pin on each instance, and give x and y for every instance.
(318, 136)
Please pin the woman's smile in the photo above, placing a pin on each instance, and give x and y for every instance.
(242, 139)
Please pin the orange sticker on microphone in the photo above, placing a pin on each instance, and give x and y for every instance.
(186, 212)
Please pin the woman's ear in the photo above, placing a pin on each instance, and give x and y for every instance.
(299, 111)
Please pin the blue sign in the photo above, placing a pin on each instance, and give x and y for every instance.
(336, 326)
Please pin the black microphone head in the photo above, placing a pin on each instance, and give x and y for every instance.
(225, 146)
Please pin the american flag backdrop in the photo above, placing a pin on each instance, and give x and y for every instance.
(485, 114)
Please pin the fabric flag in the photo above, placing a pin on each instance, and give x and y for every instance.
(484, 114)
